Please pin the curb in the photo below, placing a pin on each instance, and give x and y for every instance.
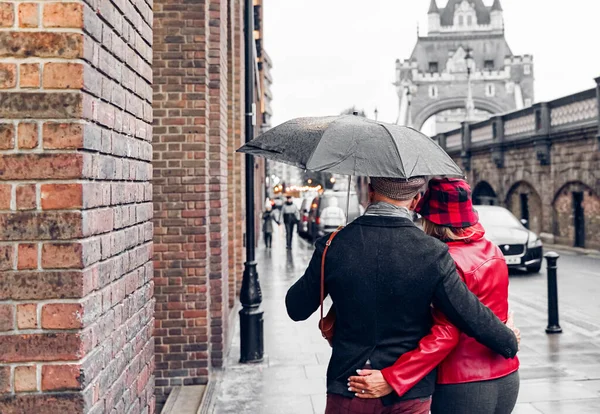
(577, 250)
(209, 399)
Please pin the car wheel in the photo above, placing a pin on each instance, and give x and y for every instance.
(535, 268)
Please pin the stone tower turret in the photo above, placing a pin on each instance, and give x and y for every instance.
(497, 20)
(433, 18)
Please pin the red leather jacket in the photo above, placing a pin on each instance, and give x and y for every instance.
(460, 358)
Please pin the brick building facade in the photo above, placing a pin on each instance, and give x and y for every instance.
(114, 113)
(199, 198)
(195, 108)
(76, 294)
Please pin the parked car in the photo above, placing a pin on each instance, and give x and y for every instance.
(328, 212)
(307, 200)
(521, 247)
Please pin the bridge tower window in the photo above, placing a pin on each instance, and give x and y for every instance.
(490, 89)
(433, 91)
(488, 65)
(433, 67)
(527, 69)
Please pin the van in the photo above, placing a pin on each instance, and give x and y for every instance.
(328, 212)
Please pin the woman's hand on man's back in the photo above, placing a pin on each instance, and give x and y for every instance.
(369, 383)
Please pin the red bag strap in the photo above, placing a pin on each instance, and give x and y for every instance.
(323, 266)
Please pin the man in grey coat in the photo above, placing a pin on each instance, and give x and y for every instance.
(291, 217)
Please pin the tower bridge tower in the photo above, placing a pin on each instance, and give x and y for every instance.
(463, 69)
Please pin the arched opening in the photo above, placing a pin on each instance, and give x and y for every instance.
(576, 221)
(441, 115)
(450, 119)
(526, 204)
(484, 194)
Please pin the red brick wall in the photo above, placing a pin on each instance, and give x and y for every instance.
(218, 157)
(234, 161)
(194, 106)
(76, 292)
(238, 137)
(180, 194)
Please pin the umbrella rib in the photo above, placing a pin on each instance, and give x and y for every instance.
(331, 164)
(272, 151)
(397, 149)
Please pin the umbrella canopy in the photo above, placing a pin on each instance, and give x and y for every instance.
(353, 145)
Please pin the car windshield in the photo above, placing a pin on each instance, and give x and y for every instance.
(497, 217)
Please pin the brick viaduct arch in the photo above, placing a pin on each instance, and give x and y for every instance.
(576, 214)
(483, 193)
(525, 202)
(542, 162)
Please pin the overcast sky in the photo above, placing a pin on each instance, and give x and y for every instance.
(331, 54)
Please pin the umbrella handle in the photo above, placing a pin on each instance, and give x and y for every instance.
(348, 198)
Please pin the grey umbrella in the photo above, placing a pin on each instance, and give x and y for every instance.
(353, 145)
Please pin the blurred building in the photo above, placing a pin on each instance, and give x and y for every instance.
(275, 172)
(463, 69)
(266, 80)
(280, 173)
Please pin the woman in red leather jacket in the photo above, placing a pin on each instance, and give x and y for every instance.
(471, 378)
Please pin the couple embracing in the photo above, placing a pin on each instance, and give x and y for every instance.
(418, 313)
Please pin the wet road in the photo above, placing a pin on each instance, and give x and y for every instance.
(578, 289)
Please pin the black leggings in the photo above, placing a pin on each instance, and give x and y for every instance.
(497, 396)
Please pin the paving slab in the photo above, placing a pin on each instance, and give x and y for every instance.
(553, 389)
(184, 400)
(569, 407)
(525, 408)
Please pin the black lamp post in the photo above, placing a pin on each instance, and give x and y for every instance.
(251, 316)
(470, 105)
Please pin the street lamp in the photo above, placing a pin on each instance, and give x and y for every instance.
(469, 104)
(408, 103)
(251, 316)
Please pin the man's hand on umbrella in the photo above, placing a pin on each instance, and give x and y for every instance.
(369, 383)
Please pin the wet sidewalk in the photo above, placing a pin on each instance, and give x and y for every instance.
(560, 374)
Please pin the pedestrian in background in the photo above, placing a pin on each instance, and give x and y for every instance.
(291, 217)
(471, 378)
(267, 227)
